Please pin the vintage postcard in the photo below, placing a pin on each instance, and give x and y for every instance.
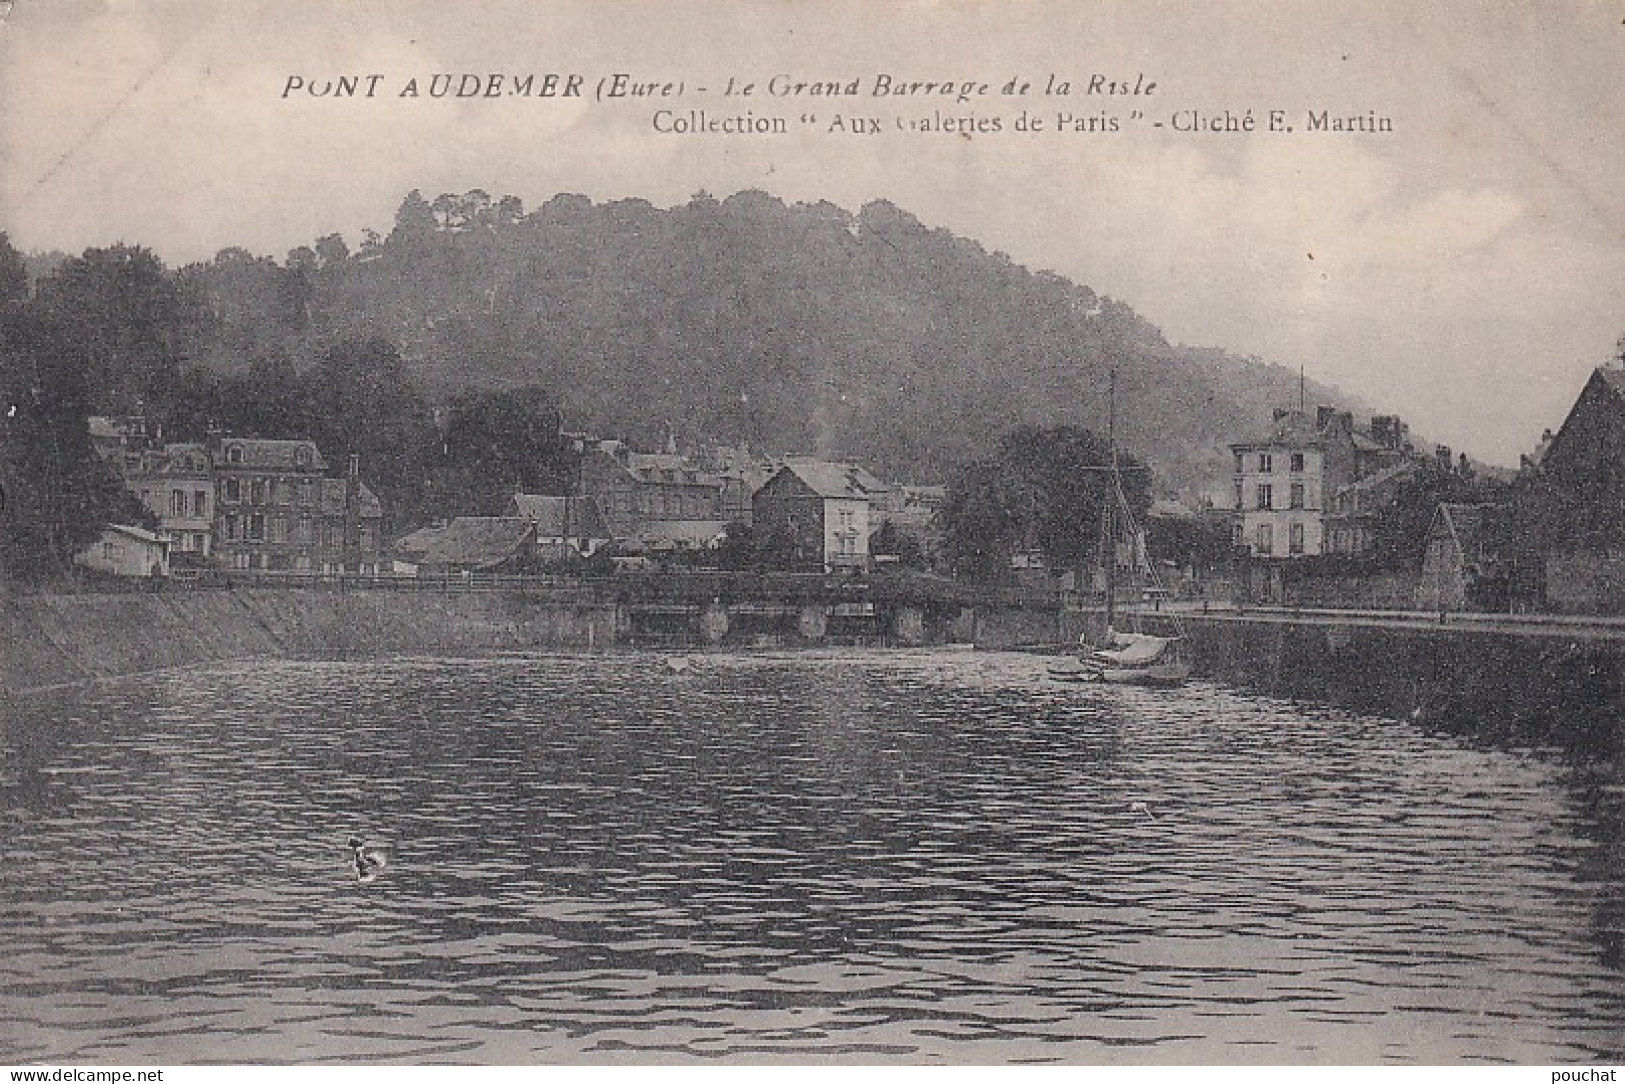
(918, 533)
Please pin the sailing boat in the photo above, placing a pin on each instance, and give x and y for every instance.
(1125, 658)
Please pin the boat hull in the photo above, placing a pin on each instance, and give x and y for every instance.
(1165, 674)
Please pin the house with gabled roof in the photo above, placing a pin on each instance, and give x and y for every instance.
(564, 525)
(1459, 558)
(629, 488)
(1587, 454)
(1585, 461)
(822, 508)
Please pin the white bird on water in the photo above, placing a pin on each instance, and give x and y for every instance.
(1141, 807)
(368, 861)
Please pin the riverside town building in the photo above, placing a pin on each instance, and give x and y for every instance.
(246, 503)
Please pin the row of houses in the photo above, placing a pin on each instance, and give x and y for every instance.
(1315, 486)
(234, 503)
(650, 506)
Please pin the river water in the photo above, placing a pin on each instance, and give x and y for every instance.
(914, 857)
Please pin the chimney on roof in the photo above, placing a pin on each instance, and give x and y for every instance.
(1441, 456)
(355, 465)
(1388, 430)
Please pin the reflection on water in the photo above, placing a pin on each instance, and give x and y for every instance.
(917, 857)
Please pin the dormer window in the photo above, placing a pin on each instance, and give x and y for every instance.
(301, 456)
(234, 453)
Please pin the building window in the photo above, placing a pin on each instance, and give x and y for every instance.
(1240, 465)
(1266, 462)
(200, 503)
(1295, 495)
(304, 491)
(1297, 462)
(256, 492)
(1266, 497)
(1238, 495)
(234, 454)
(177, 502)
(1265, 539)
(1295, 538)
(256, 527)
(231, 528)
(234, 490)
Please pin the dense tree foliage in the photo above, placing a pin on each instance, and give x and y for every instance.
(1202, 543)
(1401, 531)
(800, 328)
(496, 444)
(803, 328)
(57, 494)
(757, 549)
(467, 457)
(1043, 489)
(130, 323)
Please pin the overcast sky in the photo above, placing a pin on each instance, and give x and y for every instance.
(1467, 269)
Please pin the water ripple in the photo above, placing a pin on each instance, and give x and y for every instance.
(932, 856)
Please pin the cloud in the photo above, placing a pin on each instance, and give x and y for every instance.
(1463, 270)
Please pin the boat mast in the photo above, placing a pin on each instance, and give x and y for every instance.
(1109, 547)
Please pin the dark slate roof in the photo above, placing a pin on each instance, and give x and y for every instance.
(1382, 477)
(1293, 429)
(1464, 523)
(832, 480)
(552, 515)
(471, 542)
(670, 534)
(1612, 381)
